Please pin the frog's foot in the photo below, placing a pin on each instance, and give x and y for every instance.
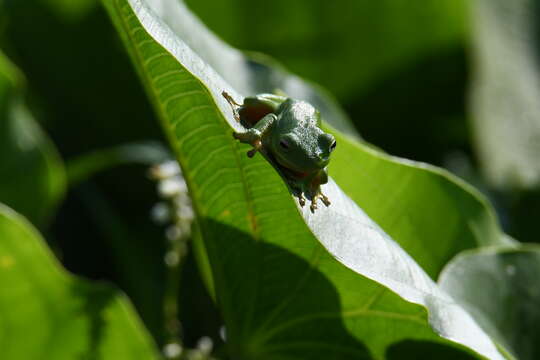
(234, 105)
(314, 199)
(251, 137)
(257, 145)
(297, 192)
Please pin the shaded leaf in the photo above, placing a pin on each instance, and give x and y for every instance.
(47, 312)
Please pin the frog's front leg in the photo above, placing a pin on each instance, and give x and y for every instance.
(255, 135)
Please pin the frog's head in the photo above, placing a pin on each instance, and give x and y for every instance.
(300, 145)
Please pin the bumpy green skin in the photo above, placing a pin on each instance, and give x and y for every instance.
(288, 131)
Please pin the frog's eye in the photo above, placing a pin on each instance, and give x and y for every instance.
(333, 145)
(284, 144)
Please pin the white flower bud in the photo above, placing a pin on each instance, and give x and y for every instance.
(173, 233)
(171, 187)
(160, 213)
(205, 345)
(165, 170)
(171, 258)
(172, 350)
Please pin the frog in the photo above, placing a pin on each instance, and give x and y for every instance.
(288, 133)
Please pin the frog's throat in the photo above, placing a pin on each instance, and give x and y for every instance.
(288, 170)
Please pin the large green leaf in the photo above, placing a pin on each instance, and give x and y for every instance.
(47, 313)
(506, 89)
(32, 176)
(508, 304)
(288, 283)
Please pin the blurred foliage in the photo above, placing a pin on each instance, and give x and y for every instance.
(346, 54)
(399, 69)
(36, 179)
(72, 11)
(506, 89)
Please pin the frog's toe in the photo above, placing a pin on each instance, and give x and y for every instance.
(313, 206)
(257, 146)
(325, 200)
(301, 200)
(297, 192)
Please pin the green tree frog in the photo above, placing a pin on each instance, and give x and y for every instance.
(288, 133)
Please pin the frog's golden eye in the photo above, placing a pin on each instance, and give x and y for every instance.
(284, 144)
(333, 146)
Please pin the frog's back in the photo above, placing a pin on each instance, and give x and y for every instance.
(296, 113)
